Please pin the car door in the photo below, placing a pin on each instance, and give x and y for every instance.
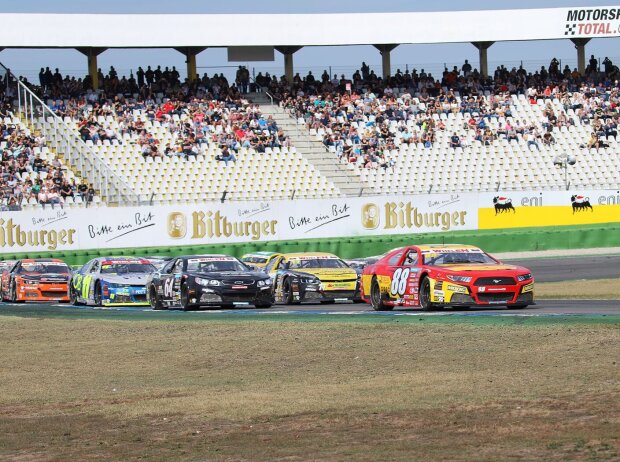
(10, 276)
(390, 273)
(170, 281)
(406, 277)
(274, 269)
(78, 279)
(90, 279)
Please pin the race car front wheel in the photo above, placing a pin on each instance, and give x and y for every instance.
(154, 300)
(73, 298)
(14, 294)
(97, 296)
(185, 304)
(375, 297)
(425, 295)
(287, 293)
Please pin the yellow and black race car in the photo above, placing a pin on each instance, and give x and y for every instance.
(258, 259)
(312, 276)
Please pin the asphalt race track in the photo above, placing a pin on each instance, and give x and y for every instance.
(542, 308)
(572, 268)
(544, 270)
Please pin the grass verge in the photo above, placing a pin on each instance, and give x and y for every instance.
(580, 289)
(86, 389)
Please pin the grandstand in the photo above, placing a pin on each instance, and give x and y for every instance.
(479, 165)
(507, 141)
(161, 140)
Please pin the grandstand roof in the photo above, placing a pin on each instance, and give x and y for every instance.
(36, 30)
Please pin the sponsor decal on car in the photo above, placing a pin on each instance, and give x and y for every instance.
(528, 288)
(456, 289)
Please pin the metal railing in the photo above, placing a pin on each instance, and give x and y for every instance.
(64, 140)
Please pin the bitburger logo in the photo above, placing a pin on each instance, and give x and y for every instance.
(503, 204)
(177, 225)
(580, 203)
(370, 216)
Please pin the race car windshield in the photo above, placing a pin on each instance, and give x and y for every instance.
(124, 268)
(317, 263)
(254, 260)
(40, 268)
(215, 266)
(452, 258)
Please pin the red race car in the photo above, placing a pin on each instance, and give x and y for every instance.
(41, 279)
(452, 275)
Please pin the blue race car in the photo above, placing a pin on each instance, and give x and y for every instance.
(111, 281)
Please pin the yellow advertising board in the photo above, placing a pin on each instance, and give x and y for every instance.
(553, 215)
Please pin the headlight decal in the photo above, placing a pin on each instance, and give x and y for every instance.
(457, 278)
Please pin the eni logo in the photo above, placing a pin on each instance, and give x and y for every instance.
(370, 216)
(177, 225)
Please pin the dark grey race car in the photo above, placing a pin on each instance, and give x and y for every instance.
(194, 281)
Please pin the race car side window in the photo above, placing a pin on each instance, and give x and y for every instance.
(411, 259)
(394, 259)
(168, 268)
(95, 267)
(178, 266)
(272, 264)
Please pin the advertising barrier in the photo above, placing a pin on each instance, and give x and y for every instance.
(253, 222)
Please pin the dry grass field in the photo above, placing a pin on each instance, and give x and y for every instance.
(80, 390)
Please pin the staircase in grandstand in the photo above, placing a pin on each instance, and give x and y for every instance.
(73, 152)
(344, 177)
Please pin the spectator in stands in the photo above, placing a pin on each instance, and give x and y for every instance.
(548, 138)
(226, 156)
(455, 141)
(54, 198)
(66, 190)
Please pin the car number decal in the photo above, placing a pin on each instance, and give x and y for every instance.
(168, 285)
(86, 287)
(399, 281)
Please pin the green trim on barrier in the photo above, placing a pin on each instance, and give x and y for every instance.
(493, 241)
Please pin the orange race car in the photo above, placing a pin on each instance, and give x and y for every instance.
(41, 279)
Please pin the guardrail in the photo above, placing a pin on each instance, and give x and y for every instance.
(65, 141)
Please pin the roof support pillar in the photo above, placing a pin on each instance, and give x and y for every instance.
(190, 59)
(482, 53)
(580, 44)
(91, 54)
(288, 52)
(386, 64)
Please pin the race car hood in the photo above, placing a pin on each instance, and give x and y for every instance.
(460, 268)
(46, 277)
(330, 274)
(242, 275)
(138, 279)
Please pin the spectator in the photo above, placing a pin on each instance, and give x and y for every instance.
(226, 156)
(455, 141)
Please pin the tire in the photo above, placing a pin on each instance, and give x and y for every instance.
(262, 305)
(375, 297)
(13, 295)
(287, 293)
(425, 295)
(97, 295)
(185, 304)
(154, 300)
(73, 298)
